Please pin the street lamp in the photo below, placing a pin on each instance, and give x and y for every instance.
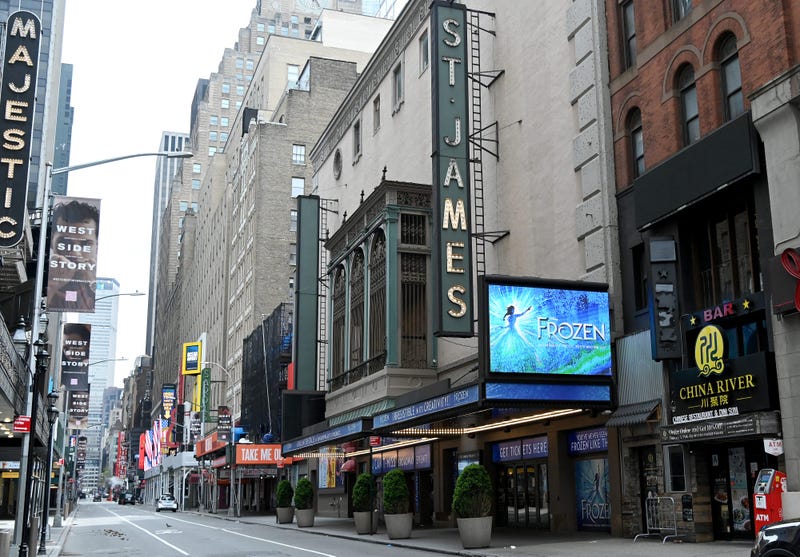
(52, 415)
(21, 519)
(137, 293)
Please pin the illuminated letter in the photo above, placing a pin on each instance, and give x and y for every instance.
(452, 64)
(451, 256)
(21, 55)
(11, 163)
(15, 139)
(453, 174)
(454, 216)
(456, 40)
(457, 140)
(28, 30)
(462, 305)
(25, 86)
(14, 111)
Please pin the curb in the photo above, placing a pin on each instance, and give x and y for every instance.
(55, 546)
(389, 543)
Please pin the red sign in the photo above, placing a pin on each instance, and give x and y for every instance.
(22, 424)
(374, 441)
(248, 453)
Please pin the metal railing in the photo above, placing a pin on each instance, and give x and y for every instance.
(661, 519)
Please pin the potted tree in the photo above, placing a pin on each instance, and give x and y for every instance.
(472, 505)
(283, 502)
(395, 505)
(304, 503)
(363, 502)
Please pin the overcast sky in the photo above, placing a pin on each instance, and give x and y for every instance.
(136, 66)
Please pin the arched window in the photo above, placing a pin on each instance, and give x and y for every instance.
(377, 296)
(337, 330)
(637, 142)
(731, 77)
(691, 116)
(357, 310)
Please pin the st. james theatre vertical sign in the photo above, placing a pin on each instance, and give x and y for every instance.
(452, 219)
(17, 99)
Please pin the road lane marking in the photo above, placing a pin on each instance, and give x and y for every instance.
(278, 543)
(194, 523)
(165, 542)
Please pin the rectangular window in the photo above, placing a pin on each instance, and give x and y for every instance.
(292, 254)
(249, 64)
(675, 468)
(212, 136)
(184, 205)
(223, 136)
(424, 60)
(223, 121)
(293, 220)
(397, 87)
(226, 87)
(195, 207)
(298, 154)
(271, 28)
(195, 184)
(240, 90)
(260, 40)
(260, 27)
(356, 139)
(213, 120)
(376, 114)
(298, 186)
(628, 34)
(292, 73)
(197, 168)
(211, 151)
(225, 103)
(240, 62)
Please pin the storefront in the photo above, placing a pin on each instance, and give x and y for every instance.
(523, 496)
(588, 449)
(416, 463)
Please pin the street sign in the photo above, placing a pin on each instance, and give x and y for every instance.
(22, 424)
(374, 441)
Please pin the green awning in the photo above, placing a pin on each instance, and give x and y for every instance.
(364, 412)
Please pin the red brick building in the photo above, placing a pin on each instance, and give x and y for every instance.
(705, 203)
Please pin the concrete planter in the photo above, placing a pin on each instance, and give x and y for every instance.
(475, 532)
(305, 517)
(285, 515)
(398, 526)
(363, 523)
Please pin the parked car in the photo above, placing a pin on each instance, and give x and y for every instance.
(166, 503)
(781, 539)
(127, 499)
(97, 497)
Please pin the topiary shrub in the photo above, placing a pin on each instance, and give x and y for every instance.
(303, 494)
(284, 494)
(472, 497)
(395, 492)
(363, 493)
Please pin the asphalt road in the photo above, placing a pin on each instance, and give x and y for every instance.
(110, 529)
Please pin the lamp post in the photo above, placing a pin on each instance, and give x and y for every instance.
(22, 515)
(42, 360)
(52, 415)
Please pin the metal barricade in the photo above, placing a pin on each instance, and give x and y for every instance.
(661, 519)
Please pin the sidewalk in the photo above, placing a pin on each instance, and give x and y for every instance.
(55, 540)
(508, 542)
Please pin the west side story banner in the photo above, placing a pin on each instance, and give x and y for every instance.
(75, 356)
(72, 268)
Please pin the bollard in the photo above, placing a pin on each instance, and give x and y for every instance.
(5, 543)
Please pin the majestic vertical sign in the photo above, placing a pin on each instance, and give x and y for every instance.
(72, 274)
(17, 99)
(452, 219)
(75, 356)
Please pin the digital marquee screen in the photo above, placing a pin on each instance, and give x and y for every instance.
(548, 329)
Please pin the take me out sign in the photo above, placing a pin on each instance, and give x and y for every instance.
(451, 220)
(17, 100)
(259, 454)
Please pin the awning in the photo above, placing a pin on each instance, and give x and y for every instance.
(349, 465)
(364, 412)
(632, 414)
(331, 436)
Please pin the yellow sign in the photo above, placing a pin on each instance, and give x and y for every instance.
(6, 475)
(191, 356)
(709, 349)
